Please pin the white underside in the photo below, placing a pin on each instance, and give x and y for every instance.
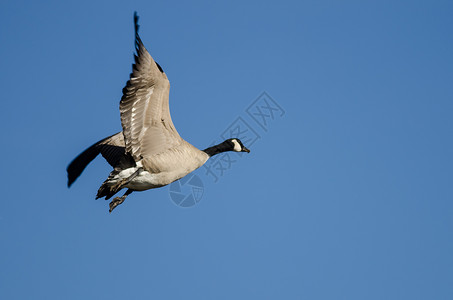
(143, 181)
(146, 180)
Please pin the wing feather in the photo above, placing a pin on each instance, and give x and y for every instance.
(145, 115)
(112, 148)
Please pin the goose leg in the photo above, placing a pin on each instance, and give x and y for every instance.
(118, 200)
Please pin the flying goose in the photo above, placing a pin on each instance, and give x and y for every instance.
(148, 153)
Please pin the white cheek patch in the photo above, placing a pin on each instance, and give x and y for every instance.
(237, 147)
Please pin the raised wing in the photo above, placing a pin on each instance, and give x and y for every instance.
(145, 114)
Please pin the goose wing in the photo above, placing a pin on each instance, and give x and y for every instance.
(111, 148)
(145, 115)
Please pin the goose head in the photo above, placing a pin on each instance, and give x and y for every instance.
(236, 145)
(233, 144)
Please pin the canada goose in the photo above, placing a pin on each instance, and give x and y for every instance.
(148, 153)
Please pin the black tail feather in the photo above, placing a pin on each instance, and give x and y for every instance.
(107, 190)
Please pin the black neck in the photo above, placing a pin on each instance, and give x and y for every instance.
(222, 147)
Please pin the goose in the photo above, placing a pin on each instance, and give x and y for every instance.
(148, 153)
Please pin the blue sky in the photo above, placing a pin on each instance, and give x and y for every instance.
(347, 195)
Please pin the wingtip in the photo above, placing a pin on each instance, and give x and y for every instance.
(71, 180)
(136, 22)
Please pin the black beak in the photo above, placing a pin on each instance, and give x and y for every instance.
(245, 150)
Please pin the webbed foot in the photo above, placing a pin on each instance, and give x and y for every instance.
(115, 202)
(118, 200)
